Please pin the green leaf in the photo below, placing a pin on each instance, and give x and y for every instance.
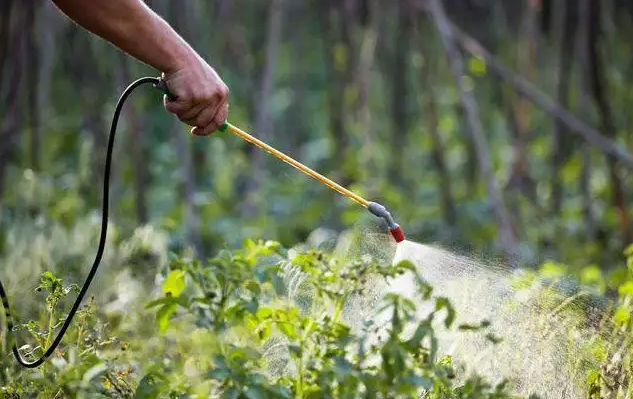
(151, 386)
(252, 305)
(626, 288)
(622, 315)
(264, 312)
(231, 393)
(444, 303)
(253, 287)
(618, 277)
(218, 374)
(433, 349)
(295, 350)
(263, 332)
(163, 315)
(244, 353)
(255, 393)
(288, 330)
(174, 283)
(493, 338)
(477, 66)
(473, 327)
(342, 367)
(406, 265)
(445, 360)
(591, 275)
(94, 372)
(161, 301)
(551, 269)
(422, 331)
(468, 327)
(416, 380)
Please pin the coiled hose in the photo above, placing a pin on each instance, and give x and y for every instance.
(159, 84)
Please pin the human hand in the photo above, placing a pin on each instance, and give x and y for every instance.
(201, 96)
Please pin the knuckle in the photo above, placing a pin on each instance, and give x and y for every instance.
(187, 94)
(224, 91)
(216, 97)
(221, 116)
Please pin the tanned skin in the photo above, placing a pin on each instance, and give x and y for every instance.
(130, 25)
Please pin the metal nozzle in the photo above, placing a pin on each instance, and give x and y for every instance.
(382, 212)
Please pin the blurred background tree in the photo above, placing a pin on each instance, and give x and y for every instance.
(486, 124)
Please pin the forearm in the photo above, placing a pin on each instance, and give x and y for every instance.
(134, 28)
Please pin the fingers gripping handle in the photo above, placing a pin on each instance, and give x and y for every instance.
(162, 86)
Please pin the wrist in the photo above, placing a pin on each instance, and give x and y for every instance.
(176, 53)
(180, 60)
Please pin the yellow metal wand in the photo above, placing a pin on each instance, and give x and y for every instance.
(373, 207)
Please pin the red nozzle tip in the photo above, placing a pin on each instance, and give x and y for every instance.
(397, 234)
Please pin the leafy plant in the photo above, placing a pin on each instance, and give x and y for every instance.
(596, 306)
(283, 337)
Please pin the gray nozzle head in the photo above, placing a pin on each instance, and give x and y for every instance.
(382, 212)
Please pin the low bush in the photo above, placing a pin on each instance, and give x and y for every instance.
(258, 322)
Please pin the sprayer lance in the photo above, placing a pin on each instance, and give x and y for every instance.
(373, 207)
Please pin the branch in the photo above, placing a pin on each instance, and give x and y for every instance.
(495, 199)
(541, 100)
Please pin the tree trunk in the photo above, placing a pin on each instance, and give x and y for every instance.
(137, 153)
(399, 90)
(263, 123)
(520, 179)
(33, 62)
(339, 61)
(188, 189)
(520, 184)
(582, 54)
(600, 91)
(296, 126)
(447, 205)
(223, 22)
(496, 203)
(366, 57)
(526, 89)
(12, 102)
(89, 80)
(564, 37)
(186, 150)
(5, 36)
(50, 24)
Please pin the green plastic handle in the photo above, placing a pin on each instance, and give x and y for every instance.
(162, 86)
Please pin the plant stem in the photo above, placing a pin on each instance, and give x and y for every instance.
(300, 371)
(80, 333)
(51, 323)
(304, 338)
(339, 308)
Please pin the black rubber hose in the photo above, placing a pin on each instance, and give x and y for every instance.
(158, 83)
